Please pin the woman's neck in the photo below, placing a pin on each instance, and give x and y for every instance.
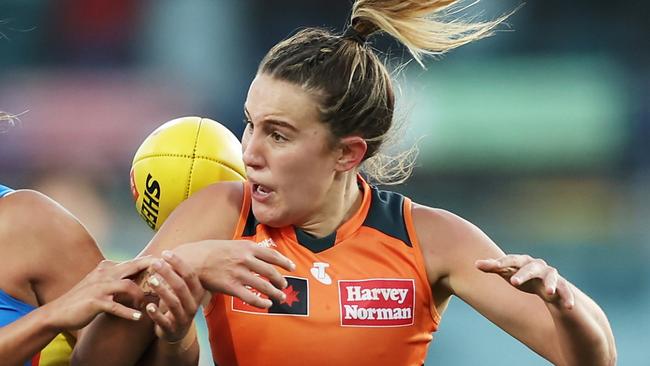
(342, 202)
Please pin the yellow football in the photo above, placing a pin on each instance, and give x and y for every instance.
(179, 158)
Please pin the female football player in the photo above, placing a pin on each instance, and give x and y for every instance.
(374, 270)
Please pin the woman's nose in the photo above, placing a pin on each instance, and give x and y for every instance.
(251, 152)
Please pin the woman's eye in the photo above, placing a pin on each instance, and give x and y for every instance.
(248, 125)
(278, 137)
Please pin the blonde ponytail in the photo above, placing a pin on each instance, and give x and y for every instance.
(419, 24)
(352, 85)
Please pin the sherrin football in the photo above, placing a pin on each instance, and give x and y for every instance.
(179, 158)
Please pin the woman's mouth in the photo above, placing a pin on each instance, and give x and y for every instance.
(261, 193)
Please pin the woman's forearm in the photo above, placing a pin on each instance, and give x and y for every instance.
(182, 353)
(584, 333)
(109, 340)
(22, 339)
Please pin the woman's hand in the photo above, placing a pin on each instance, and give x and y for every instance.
(95, 294)
(235, 267)
(531, 275)
(180, 293)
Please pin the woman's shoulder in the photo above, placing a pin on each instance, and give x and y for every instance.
(446, 235)
(44, 243)
(212, 212)
(34, 229)
(32, 219)
(29, 209)
(431, 219)
(220, 199)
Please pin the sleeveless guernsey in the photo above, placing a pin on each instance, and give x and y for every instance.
(359, 296)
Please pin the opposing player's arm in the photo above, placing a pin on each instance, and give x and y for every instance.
(51, 251)
(198, 234)
(562, 334)
(62, 251)
(121, 342)
(25, 337)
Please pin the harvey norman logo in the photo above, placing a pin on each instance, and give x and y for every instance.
(377, 302)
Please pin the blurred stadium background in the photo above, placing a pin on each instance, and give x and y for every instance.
(539, 135)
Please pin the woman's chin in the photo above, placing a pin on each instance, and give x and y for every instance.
(268, 216)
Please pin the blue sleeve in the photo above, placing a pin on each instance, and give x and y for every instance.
(4, 190)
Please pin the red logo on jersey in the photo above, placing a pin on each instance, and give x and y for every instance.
(377, 302)
(296, 303)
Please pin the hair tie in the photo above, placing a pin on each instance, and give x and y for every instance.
(353, 34)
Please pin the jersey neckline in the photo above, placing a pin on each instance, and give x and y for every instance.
(344, 231)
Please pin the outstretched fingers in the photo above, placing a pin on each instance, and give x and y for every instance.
(117, 309)
(531, 275)
(132, 267)
(250, 297)
(274, 257)
(180, 292)
(105, 303)
(507, 265)
(267, 271)
(534, 268)
(567, 298)
(551, 278)
(173, 290)
(510, 260)
(242, 269)
(165, 321)
(186, 273)
(124, 289)
(263, 286)
(495, 266)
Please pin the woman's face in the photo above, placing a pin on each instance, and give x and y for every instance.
(287, 151)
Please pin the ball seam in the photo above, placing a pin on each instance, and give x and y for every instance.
(196, 142)
(201, 157)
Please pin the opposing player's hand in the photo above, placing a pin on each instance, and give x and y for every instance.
(531, 275)
(95, 294)
(234, 266)
(180, 293)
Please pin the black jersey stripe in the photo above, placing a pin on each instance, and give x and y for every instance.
(386, 214)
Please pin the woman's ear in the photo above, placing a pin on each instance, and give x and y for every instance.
(352, 151)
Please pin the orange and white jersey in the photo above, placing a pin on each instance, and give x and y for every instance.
(359, 296)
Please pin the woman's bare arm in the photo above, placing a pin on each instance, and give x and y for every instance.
(550, 316)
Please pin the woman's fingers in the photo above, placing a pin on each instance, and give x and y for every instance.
(486, 265)
(186, 272)
(172, 289)
(494, 266)
(179, 291)
(232, 267)
(513, 260)
(263, 286)
(535, 268)
(250, 297)
(129, 268)
(507, 265)
(565, 293)
(273, 257)
(172, 308)
(261, 267)
(550, 281)
(531, 275)
(161, 320)
(117, 309)
(124, 287)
